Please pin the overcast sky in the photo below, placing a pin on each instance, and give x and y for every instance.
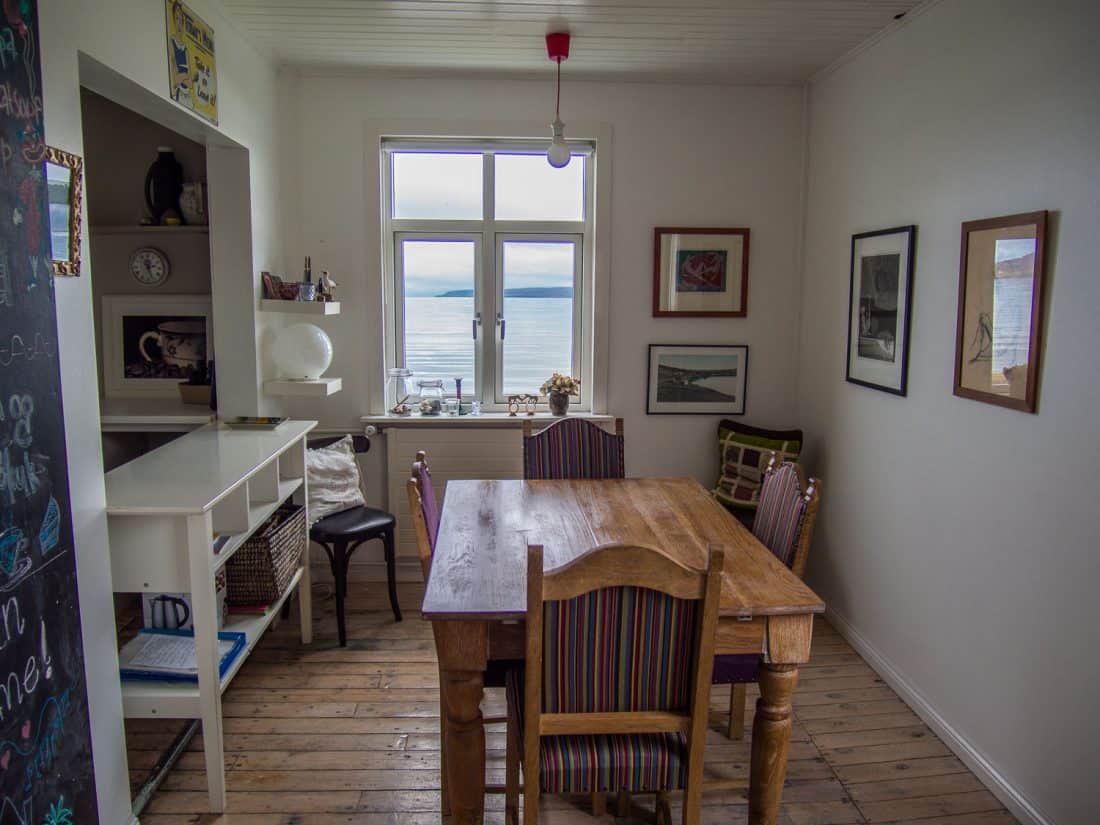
(449, 186)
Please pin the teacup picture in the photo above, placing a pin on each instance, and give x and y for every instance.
(163, 347)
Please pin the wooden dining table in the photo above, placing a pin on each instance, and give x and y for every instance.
(476, 600)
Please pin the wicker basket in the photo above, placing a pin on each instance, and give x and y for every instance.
(263, 566)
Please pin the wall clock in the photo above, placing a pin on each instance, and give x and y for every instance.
(149, 266)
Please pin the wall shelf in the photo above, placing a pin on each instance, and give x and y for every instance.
(311, 388)
(138, 229)
(301, 307)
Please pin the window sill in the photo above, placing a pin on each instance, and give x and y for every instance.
(485, 420)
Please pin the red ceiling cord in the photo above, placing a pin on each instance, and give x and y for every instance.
(557, 49)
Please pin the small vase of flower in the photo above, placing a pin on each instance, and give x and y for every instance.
(557, 389)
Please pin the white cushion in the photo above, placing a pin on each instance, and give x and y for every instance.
(333, 476)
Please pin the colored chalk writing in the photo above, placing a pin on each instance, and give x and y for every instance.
(46, 771)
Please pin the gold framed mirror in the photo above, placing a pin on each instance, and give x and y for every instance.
(65, 184)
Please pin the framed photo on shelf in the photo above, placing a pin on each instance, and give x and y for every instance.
(153, 342)
(879, 308)
(697, 379)
(997, 338)
(702, 273)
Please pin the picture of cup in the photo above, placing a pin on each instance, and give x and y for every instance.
(182, 344)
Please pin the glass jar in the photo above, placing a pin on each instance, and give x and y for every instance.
(397, 391)
(431, 395)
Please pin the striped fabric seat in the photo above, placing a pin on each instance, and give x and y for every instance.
(573, 448)
(617, 649)
(779, 516)
(591, 763)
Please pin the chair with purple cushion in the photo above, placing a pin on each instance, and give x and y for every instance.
(424, 507)
(784, 524)
(573, 448)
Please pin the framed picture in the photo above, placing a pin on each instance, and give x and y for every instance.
(153, 342)
(879, 307)
(697, 379)
(700, 272)
(997, 340)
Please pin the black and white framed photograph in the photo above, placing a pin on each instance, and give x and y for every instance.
(697, 379)
(151, 343)
(879, 308)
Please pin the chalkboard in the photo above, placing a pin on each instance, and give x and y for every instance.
(45, 742)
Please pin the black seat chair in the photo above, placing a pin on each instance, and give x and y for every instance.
(342, 533)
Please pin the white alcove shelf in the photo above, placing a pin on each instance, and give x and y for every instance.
(301, 307)
(310, 388)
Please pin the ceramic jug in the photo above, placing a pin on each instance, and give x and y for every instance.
(193, 204)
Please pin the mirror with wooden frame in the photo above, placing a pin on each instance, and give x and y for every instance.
(65, 183)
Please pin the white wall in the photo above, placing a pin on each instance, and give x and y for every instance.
(959, 539)
(682, 156)
(128, 37)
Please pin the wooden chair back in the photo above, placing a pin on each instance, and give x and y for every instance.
(575, 448)
(417, 489)
(680, 708)
(810, 491)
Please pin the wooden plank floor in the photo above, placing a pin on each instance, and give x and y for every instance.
(330, 736)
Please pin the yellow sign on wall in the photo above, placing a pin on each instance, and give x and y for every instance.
(192, 71)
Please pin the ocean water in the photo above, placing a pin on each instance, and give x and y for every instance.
(538, 341)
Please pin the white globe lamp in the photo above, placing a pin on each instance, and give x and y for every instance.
(302, 351)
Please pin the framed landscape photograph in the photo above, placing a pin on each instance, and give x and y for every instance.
(153, 342)
(879, 308)
(700, 272)
(697, 379)
(997, 338)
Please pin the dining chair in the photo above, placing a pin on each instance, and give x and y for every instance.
(575, 448)
(614, 693)
(423, 505)
(784, 524)
(341, 534)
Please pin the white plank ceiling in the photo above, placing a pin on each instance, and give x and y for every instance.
(722, 41)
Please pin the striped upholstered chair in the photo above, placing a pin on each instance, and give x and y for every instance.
(784, 524)
(573, 448)
(614, 693)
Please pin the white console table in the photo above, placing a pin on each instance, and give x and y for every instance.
(163, 511)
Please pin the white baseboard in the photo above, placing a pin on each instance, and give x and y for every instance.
(1021, 807)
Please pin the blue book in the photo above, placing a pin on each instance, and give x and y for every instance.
(169, 655)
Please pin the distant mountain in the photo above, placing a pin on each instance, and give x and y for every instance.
(518, 292)
(1021, 267)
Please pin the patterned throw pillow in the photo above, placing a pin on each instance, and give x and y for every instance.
(333, 476)
(743, 456)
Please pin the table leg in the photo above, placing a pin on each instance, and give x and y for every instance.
(464, 744)
(771, 738)
(463, 651)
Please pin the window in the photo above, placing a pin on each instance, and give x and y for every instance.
(489, 251)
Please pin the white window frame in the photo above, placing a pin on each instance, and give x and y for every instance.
(489, 235)
(578, 348)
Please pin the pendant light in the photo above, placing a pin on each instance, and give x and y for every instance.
(557, 49)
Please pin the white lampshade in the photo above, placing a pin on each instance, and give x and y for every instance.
(302, 351)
